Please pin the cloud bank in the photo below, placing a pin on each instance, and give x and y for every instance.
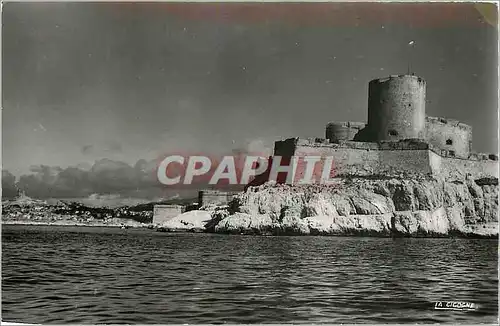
(107, 177)
(104, 177)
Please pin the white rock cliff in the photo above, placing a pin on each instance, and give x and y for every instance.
(361, 206)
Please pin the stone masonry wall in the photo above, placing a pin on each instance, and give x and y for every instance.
(455, 168)
(164, 213)
(406, 157)
(214, 197)
(337, 131)
(367, 162)
(450, 135)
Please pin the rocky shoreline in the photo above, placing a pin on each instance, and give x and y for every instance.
(28, 211)
(356, 207)
(126, 224)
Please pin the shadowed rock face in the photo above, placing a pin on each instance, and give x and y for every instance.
(360, 206)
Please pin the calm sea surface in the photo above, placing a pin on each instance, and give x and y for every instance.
(107, 275)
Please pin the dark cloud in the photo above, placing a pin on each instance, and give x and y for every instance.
(116, 178)
(115, 147)
(87, 149)
(104, 177)
(9, 189)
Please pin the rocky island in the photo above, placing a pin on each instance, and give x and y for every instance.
(402, 173)
(368, 207)
(356, 206)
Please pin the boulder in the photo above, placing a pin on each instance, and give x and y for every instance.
(189, 221)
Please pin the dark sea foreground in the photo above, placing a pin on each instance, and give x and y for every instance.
(109, 275)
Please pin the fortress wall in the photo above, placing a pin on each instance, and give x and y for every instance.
(366, 162)
(386, 158)
(410, 144)
(405, 144)
(456, 168)
(450, 135)
(405, 161)
(345, 160)
(214, 197)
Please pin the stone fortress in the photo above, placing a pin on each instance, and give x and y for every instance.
(398, 138)
(400, 174)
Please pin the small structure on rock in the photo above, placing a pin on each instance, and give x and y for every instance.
(215, 197)
(164, 213)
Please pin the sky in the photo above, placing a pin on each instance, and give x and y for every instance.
(89, 81)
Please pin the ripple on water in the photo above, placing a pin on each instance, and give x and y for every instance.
(100, 275)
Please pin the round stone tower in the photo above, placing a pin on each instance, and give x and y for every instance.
(396, 108)
(337, 131)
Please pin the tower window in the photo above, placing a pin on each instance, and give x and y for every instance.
(449, 142)
(393, 132)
